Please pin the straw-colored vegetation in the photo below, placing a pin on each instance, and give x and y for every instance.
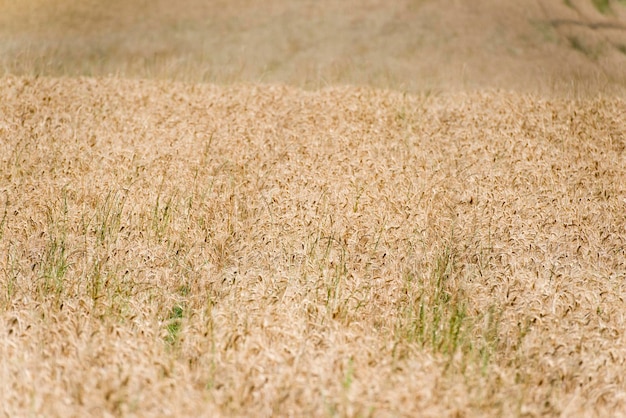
(565, 47)
(185, 249)
(264, 250)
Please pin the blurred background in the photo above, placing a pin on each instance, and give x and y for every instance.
(562, 47)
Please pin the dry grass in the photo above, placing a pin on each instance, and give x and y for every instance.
(171, 249)
(556, 47)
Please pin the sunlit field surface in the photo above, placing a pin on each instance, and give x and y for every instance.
(571, 48)
(181, 239)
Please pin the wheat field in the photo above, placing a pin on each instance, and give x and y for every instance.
(169, 249)
(571, 48)
(298, 248)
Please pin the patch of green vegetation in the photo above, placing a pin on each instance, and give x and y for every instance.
(545, 29)
(603, 6)
(575, 43)
(174, 325)
(592, 52)
(10, 285)
(349, 374)
(338, 272)
(184, 290)
(95, 282)
(108, 218)
(55, 263)
(162, 217)
(4, 218)
(436, 315)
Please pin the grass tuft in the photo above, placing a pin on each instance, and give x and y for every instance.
(436, 315)
(174, 325)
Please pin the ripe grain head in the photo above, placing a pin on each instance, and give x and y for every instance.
(185, 249)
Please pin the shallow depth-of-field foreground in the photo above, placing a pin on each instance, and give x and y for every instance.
(171, 249)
